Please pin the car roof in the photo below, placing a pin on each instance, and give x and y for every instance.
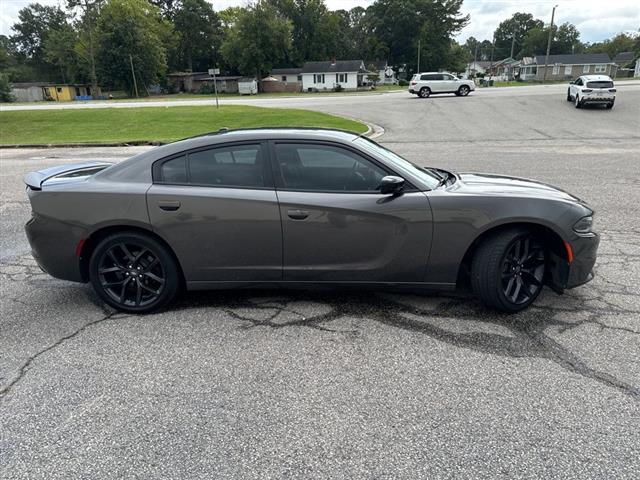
(432, 73)
(592, 78)
(225, 135)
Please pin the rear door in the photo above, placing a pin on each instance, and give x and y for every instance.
(338, 227)
(217, 208)
(438, 83)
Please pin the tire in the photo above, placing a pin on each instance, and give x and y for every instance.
(134, 273)
(577, 101)
(463, 91)
(569, 98)
(508, 281)
(424, 92)
(610, 105)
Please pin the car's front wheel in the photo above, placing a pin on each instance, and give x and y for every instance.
(569, 95)
(464, 90)
(508, 269)
(578, 102)
(133, 272)
(424, 92)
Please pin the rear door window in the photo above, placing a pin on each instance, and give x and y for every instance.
(241, 166)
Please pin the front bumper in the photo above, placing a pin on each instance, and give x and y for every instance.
(585, 250)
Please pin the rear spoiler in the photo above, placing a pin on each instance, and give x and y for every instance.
(34, 180)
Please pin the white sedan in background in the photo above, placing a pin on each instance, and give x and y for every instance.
(592, 89)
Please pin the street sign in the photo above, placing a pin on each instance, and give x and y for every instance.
(214, 71)
(389, 72)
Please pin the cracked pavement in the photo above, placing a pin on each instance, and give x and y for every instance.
(344, 384)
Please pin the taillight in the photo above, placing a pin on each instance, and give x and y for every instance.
(612, 90)
(587, 90)
(413, 83)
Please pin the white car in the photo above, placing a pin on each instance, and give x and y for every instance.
(592, 89)
(425, 84)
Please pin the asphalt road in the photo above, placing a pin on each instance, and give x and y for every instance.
(340, 384)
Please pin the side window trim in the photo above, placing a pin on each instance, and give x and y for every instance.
(265, 151)
(279, 180)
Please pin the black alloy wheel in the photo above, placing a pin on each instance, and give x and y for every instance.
(133, 273)
(508, 270)
(523, 271)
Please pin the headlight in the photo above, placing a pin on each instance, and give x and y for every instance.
(584, 225)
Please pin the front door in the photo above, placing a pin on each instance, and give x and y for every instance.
(338, 227)
(218, 210)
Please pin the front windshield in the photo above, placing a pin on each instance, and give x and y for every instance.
(430, 179)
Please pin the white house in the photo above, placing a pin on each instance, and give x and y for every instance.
(636, 72)
(348, 74)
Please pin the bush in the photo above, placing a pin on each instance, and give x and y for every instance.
(207, 89)
(338, 88)
(403, 83)
(5, 90)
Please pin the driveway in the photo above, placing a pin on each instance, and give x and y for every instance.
(277, 384)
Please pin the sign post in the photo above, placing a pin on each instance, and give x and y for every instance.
(213, 72)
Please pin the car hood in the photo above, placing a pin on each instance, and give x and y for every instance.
(500, 185)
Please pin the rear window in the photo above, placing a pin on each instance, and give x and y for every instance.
(600, 84)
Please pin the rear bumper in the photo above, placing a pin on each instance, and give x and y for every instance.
(598, 99)
(53, 246)
(585, 250)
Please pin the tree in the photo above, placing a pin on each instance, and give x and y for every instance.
(259, 40)
(132, 32)
(613, 46)
(565, 39)
(514, 28)
(5, 89)
(86, 25)
(59, 50)
(402, 25)
(458, 58)
(200, 33)
(374, 76)
(167, 7)
(35, 23)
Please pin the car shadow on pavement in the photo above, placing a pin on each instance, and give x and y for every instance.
(457, 320)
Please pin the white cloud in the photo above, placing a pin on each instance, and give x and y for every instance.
(595, 19)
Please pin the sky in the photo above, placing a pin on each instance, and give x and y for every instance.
(595, 19)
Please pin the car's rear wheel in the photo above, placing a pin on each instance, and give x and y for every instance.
(578, 102)
(424, 92)
(463, 91)
(133, 272)
(610, 105)
(508, 270)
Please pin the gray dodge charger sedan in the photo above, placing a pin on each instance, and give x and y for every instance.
(302, 208)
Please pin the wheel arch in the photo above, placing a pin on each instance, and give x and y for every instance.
(553, 242)
(92, 241)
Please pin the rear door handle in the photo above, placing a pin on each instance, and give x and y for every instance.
(169, 206)
(298, 214)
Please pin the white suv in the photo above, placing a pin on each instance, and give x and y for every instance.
(425, 84)
(595, 89)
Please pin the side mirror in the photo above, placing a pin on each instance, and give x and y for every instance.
(391, 184)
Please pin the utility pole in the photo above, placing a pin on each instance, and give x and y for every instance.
(133, 74)
(546, 60)
(493, 46)
(419, 43)
(513, 38)
(475, 61)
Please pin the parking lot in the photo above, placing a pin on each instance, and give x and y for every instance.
(342, 384)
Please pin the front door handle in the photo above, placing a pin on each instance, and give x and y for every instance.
(169, 206)
(298, 214)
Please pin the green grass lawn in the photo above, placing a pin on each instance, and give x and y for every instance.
(151, 124)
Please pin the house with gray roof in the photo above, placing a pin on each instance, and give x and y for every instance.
(567, 67)
(625, 61)
(386, 75)
(347, 74)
